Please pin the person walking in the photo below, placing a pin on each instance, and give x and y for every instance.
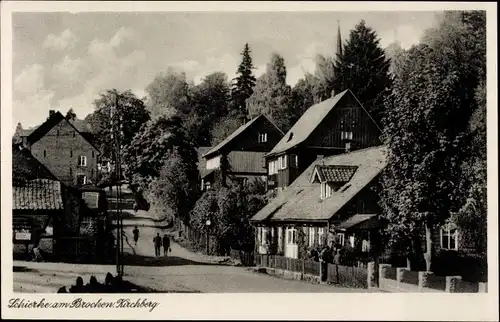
(324, 258)
(136, 235)
(157, 244)
(166, 245)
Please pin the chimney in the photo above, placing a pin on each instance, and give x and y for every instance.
(51, 113)
(333, 93)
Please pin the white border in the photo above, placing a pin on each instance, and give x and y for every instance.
(457, 307)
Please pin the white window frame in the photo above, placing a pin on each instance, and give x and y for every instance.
(82, 161)
(262, 137)
(312, 236)
(341, 238)
(449, 234)
(346, 135)
(84, 178)
(273, 167)
(291, 236)
(321, 233)
(282, 162)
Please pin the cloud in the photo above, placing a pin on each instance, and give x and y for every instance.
(67, 39)
(68, 69)
(30, 80)
(32, 109)
(123, 34)
(306, 62)
(405, 35)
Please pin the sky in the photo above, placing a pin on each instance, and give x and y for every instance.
(64, 60)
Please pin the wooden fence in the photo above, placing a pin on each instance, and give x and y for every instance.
(349, 276)
(288, 264)
(246, 258)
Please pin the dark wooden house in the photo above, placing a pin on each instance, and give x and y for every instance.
(337, 125)
(244, 150)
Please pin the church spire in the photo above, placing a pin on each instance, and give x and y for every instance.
(339, 40)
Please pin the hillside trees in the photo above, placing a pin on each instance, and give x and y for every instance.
(272, 94)
(426, 151)
(124, 106)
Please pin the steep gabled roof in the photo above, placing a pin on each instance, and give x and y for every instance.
(52, 121)
(236, 133)
(301, 201)
(303, 128)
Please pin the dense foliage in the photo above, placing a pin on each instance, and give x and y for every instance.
(436, 83)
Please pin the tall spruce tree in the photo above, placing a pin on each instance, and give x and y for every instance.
(242, 89)
(363, 68)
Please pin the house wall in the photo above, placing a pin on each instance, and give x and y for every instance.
(59, 151)
(347, 117)
(249, 139)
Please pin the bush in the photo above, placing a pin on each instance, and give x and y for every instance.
(472, 267)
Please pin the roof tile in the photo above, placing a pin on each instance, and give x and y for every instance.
(38, 194)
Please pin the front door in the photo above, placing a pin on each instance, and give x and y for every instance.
(291, 247)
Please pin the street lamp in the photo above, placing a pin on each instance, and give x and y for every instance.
(208, 223)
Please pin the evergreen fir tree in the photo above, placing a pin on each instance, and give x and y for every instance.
(243, 87)
(363, 68)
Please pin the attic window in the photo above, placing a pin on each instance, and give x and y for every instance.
(345, 188)
(262, 137)
(290, 137)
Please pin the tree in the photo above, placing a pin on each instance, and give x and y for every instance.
(175, 191)
(209, 103)
(324, 75)
(245, 81)
(225, 126)
(304, 95)
(426, 151)
(229, 209)
(152, 145)
(123, 105)
(363, 68)
(168, 95)
(70, 115)
(272, 95)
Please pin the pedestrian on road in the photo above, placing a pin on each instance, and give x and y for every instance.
(166, 245)
(136, 235)
(324, 258)
(157, 244)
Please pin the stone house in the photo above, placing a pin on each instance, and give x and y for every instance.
(65, 148)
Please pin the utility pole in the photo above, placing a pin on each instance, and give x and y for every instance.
(116, 128)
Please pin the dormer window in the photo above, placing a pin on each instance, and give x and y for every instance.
(262, 137)
(332, 178)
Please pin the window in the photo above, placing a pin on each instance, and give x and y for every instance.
(207, 185)
(81, 179)
(449, 239)
(273, 167)
(262, 137)
(340, 239)
(82, 161)
(321, 234)
(326, 190)
(346, 135)
(291, 236)
(312, 235)
(282, 162)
